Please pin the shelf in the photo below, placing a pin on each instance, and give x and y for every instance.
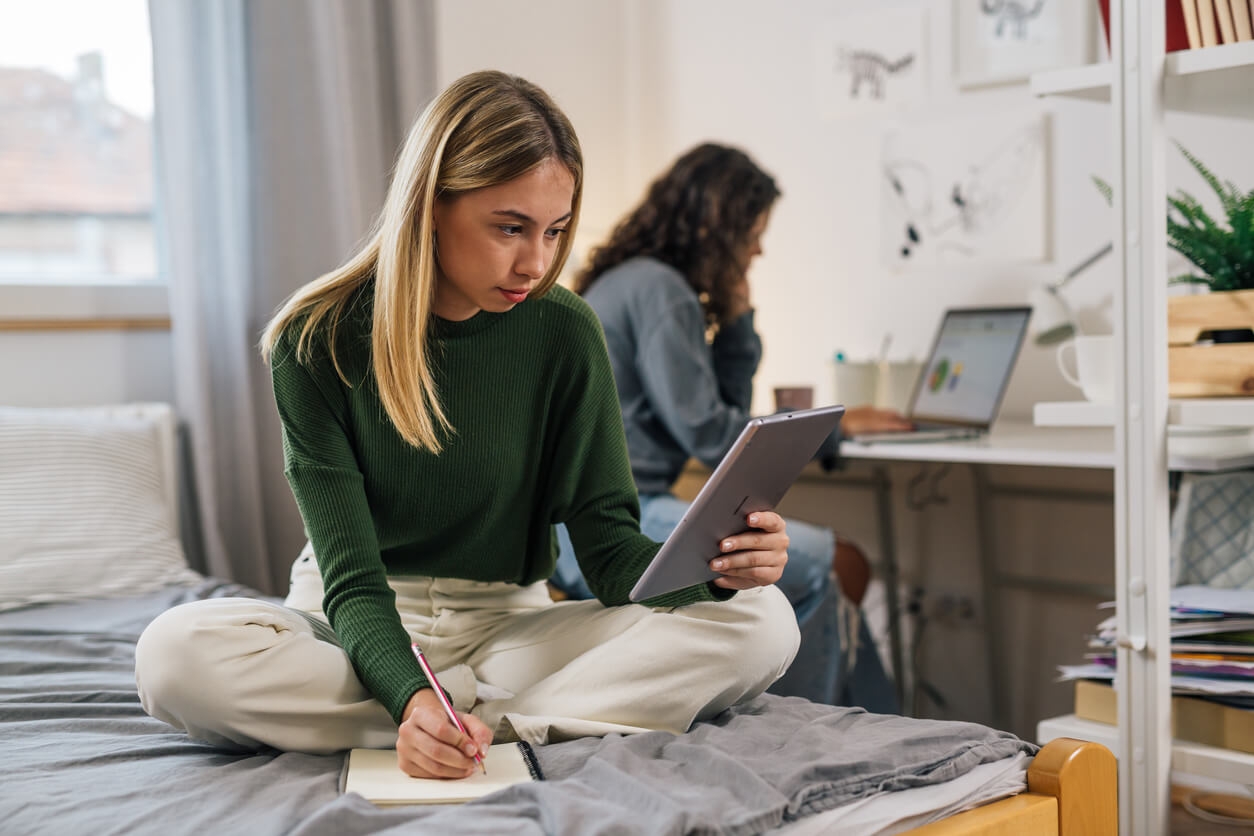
(1211, 80)
(1089, 82)
(1192, 759)
(1212, 59)
(1194, 412)
(1212, 412)
(1073, 414)
(1203, 436)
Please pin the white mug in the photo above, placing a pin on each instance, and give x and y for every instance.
(895, 385)
(1095, 366)
(856, 383)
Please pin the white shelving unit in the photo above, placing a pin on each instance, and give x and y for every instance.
(1091, 82)
(1218, 81)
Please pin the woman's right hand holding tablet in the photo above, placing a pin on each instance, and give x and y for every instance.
(756, 557)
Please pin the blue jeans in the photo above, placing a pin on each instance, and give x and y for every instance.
(822, 671)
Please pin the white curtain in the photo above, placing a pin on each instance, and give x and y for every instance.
(277, 122)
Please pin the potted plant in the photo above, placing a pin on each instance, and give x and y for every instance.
(1222, 257)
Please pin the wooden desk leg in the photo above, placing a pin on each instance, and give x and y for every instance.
(991, 606)
(888, 553)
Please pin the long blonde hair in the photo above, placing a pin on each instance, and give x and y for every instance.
(484, 129)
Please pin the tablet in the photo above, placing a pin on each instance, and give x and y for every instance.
(754, 476)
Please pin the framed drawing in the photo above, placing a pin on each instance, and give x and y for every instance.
(966, 190)
(871, 64)
(1004, 41)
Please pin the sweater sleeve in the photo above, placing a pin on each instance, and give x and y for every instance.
(736, 352)
(593, 491)
(677, 370)
(322, 469)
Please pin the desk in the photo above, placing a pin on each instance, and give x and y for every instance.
(1022, 443)
(1009, 443)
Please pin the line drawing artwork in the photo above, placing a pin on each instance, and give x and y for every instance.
(1013, 16)
(868, 67)
(990, 206)
(1004, 41)
(870, 64)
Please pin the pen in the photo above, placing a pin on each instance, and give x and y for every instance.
(448, 706)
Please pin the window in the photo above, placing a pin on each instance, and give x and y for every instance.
(76, 161)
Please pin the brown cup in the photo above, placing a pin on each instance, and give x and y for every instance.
(793, 397)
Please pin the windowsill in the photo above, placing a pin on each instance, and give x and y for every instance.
(30, 306)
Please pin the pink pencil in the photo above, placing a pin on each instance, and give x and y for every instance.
(448, 706)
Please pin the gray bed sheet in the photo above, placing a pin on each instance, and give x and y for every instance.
(78, 754)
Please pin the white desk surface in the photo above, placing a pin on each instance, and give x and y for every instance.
(1023, 443)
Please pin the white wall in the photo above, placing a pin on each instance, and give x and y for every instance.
(738, 74)
(579, 52)
(643, 81)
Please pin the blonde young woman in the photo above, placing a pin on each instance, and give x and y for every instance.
(444, 404)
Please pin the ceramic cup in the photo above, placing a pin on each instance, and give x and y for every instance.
(895, 385)
(856, 383)
(793, 397)
(1094, 364)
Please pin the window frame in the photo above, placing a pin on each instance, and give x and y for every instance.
(97, 305)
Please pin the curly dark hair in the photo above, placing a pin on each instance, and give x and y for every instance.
(696, 217)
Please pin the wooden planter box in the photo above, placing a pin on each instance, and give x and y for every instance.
(1209, 371)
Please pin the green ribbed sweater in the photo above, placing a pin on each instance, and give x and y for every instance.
(537, 440)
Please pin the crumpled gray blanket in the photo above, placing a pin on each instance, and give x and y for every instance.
(750, 770)
(78, 754)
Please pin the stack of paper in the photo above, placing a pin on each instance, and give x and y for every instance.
(1212, 646)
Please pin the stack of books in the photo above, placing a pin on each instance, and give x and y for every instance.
(1193, 24)
(1212, 668)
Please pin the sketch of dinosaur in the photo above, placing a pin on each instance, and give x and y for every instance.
(871, 68)
(1014, 14)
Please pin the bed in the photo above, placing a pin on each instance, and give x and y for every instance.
(77, 753)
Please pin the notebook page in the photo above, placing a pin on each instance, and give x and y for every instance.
(373, 773)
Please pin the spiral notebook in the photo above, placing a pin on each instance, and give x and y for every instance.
(373, 773)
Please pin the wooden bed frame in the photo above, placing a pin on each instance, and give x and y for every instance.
(1072, 791)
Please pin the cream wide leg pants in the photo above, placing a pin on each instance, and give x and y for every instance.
(251, 673)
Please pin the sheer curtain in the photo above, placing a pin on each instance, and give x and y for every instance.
(276, 125)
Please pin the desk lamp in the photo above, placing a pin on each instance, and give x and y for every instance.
(1052, 317)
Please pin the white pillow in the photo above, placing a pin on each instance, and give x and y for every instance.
(85, 506)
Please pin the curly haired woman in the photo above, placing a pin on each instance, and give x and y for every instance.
(671, 290)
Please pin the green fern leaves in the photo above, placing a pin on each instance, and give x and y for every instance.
(1224, 256)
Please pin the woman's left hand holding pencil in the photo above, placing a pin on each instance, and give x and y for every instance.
(429, 745)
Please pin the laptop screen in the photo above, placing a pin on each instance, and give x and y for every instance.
(970, 364)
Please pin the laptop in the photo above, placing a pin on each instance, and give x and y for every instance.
(962, 383)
